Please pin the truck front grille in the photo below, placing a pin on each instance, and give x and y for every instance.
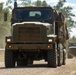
(29, 34)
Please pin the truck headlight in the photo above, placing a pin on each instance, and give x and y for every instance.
(50, 40)
(8, 40)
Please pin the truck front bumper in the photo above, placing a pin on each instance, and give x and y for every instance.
(29, 46)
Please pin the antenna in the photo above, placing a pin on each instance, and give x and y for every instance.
(15, 3)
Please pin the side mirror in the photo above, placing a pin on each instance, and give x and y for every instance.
(5, 16)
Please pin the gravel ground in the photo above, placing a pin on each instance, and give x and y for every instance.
(40, 68)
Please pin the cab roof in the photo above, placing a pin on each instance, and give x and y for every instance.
(33, 8)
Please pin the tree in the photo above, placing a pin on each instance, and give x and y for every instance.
(72, 40)
(44, 4)
(26, 2)
(59, 5)
(67, 12)
(38, 3)
(4, 26)
(23, 2)
(1, 6)
(8, 2)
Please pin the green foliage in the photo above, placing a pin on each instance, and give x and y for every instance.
(59, 5)
(37, 3)
(8, 2)
(4, 26)
(1, 7)
(40, 3)
(26, 2)
(44, 4)
(67, 12)
(72, 40)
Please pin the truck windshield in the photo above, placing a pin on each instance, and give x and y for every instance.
(39, 14)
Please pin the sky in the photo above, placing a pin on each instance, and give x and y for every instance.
(71, 3)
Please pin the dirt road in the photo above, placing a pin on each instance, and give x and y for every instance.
(40, 68)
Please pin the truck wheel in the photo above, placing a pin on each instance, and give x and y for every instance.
(64, 57)
(59, 59)
(60, 56)
(52, 58)
(9, 59)
(22, 62)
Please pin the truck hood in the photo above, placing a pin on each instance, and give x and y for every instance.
(36, 23)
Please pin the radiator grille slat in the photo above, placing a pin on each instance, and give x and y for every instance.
(28, 34)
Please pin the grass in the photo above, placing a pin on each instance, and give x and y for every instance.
(1, 56)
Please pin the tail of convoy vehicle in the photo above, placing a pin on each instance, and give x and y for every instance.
(36, 33)
(72, 50)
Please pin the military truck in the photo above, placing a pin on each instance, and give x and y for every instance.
(36, 33)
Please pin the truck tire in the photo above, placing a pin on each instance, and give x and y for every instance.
(52, 58)
(9, 59)
(60, 56)
(59, 59)
(22, 63)
(64, 57)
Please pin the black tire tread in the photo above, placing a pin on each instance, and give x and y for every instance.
(9, 59)
(64, 58)
(52, 58)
